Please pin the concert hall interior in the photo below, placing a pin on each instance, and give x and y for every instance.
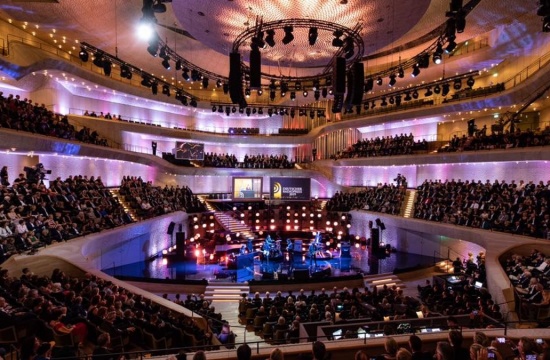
(191, 175)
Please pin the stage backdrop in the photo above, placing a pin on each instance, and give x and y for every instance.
(290, 188)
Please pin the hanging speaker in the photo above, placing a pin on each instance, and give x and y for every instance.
(255, 69)
(339, 76)
(349, 93)
(171, 226)
(358, 83)
(235, 78)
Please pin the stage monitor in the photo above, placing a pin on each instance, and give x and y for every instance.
(188, 151)
(247, 188)
(290, 188)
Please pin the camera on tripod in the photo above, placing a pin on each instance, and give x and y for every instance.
(36, 173)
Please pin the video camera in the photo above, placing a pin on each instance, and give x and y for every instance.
(36, 173)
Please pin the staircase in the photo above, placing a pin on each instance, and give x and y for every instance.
(323, 204)
(233, 225)
(206, 204)
(127, 208)
(410, 198)
(380, 280)
(225, 292)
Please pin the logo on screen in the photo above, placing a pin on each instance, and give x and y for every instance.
(277, 190)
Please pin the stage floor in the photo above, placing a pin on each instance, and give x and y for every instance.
(361, 262)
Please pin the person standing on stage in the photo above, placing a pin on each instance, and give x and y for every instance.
(290, 251)
(312, 253)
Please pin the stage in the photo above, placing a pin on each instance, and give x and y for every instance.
(259, 268)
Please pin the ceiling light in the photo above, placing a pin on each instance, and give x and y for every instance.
(288, 35)
(337, 42)
(146, 81)
(270, 38)
(312, 36)
(260, 111)
(219, 83)
(270, 112)
(546, 24)
(248, 111)
(83, 55)
(145, 29)
(260, 92)
(438, 54)
(392, 80)
(457, 84)
(428, 92)
(400, 73)
(166, 63)
(305, 93)
(392, 100)
(470, 82)
(293, 95)
(379, 81)
(227, 111)
(247, 92)
(416, 71)
(214, 108)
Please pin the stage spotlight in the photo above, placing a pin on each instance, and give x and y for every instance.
(162, 52)
(331, 92)
(288, 35)
(460, 22)
(270, 38)
(305, 93)
(284, 89)
(324, 93)
(445, 88)
(83, 55)
(379, 81)
(424, 61)
(438, 54)
(312, 36)
(317, 94)
(178, 65)
(107, 66)
(159, 7)
(546, 24)
(194, 75)
(337, 42)
(233, 109)
(227, 111)
(247, 92)
(373, 104)
(384, 102)
(408, 96)
(316, 85)
(293, 95)
(193, 103)
(369, 85)
(349, 47)
(392, 100)
(311, 114)
(260, 92)
(166, 63)
(392, 80)
(457, 84)
(125, 72)
(98, 60)
(154, 88)
(415, 94)
(270, 112)
(428, 92)
(451, 46)
(146, 81)
(248, 111)
(400, 73)
(271, 95)
(260, 111)
(184, 101)
(293, 113)
(205, 82)
(219, 83)
(416, 71)
(437, 89)
(298, 85)
(254, 111)
(470, 82)
(220, 109)
(185, 74)
(366, 106)
(145, 28)
(225, 88)
(397, 100)
(214, 108)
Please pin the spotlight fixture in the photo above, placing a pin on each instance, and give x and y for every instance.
(416, 71)
(445, 88)
(379, 81)
(324, 93)
(166, 63)
(546, 24)
(241, 110)
(270, 112)
(288, 35)
(408, 96)
(233, 109)
(194, 75)
(83, 55)
(293, 95)
(125, 72)
(214, 108)
(312, 36)
(260, 92)
(438, 54)
(107, 66)
(184, 101)
(220, 109)
(153, 47)
(248, 111)
(227, 111)
(384, 102)
(428, 92)
(398, 100)
(366, 106)
(460, 22)
(98, 60)
(316, 85)
(146, 81)
(293, 113)
(457, 84)
(185, 74)
(437, 89)
(317, 94)
(247, 92)
(178, 65)
(159, 7)
(337, 42)
(401, 73)
(298, 85)
(348, 48)
(162, 52)
(305, 93)
(271, 95)
(193, 103)
(270, 38)
(415, 94)
(451, 46)
(392, 80)
(284, 89)
(369, 85)
(392, 100)
(424, 61)
(205, 82)
(470, 82)
(225, 88)
(154, 88)
(260, 111)
(219, 83)
(373, 104)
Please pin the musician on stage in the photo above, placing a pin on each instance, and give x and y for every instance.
(243, 250)
(290, 251)
(312, 253)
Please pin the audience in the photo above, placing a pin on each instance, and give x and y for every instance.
(382, 198)
(501, 140)
(382, 146)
